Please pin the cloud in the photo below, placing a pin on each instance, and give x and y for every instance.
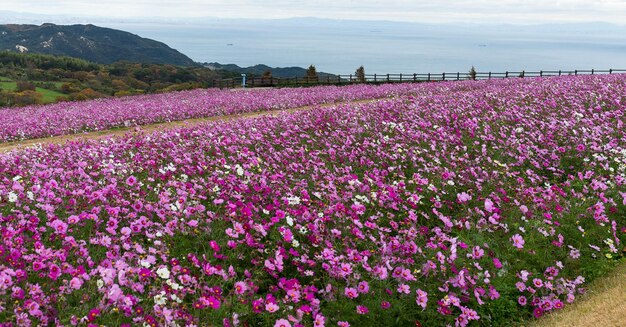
(486, 11)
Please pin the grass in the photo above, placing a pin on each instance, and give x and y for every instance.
(604, 305)
(48, 96)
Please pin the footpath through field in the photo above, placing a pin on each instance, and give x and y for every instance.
(119, 131)
(604, 305)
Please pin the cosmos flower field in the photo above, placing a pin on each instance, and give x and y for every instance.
(473, 203)
(75, 117)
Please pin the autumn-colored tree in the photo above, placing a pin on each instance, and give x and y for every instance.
(86, 94)
(360, 74)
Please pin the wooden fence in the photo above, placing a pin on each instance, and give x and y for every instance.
(398, 78)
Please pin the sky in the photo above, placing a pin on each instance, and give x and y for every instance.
(431, 11)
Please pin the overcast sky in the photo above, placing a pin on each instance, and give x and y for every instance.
(482, 11)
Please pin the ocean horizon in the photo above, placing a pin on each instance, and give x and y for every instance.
(390, 47)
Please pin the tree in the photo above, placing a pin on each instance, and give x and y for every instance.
(472, 73)
(24, 86)
(311, 74)
(266, 78)
(360, 74)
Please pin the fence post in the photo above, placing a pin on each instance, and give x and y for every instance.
(559, 72)
(429, 77)
(387, 78)
(400, 77)
(541, 73)
(443, 76)
(489, 75)
(414, 77)
(611, 71)
(374, 78)
(458, 76)
(523, 73)
(575, 72)
(592, 71)
(506, 75)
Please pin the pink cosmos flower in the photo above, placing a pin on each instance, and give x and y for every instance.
(557, 304)
(240, 287)
(271, 307)
(59, 226)
(463, 197)
(54, 272)
(363, 287)
(131, 180)
(76, 283)
(489, 205)
(351, 293)
(320, 321)
(518, 241)
(404, 288)
(282, 323)
(361, 309)
(213, 302)
(93, 314)
(422, 298)
(115, 293)
(497, 263)
(257, 306)
(477, 252)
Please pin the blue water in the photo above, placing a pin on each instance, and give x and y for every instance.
(384, 47)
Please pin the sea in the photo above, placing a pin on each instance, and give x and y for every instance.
(340, 47)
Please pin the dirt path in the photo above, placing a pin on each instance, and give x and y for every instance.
(603, 306)
(61, 139)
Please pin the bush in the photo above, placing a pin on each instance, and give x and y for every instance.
(25, 86)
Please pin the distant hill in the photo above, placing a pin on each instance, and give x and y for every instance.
(89, 42)
(258, 70)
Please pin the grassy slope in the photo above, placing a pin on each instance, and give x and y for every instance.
(603, 306)
(49, 96)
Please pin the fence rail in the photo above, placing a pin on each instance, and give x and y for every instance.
(341, 79)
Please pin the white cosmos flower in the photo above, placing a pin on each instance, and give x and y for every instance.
(159, 299)
(294, 200)
(239, 170)
(163, 272)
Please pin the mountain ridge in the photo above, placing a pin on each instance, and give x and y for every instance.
(260, 69)
(90, 42)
